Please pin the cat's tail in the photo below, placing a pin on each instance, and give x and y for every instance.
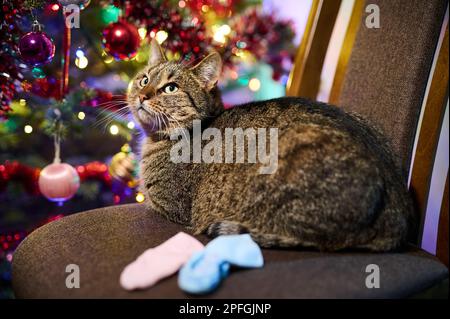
(262, 239)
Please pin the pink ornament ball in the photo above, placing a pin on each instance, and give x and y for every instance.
(59, 182)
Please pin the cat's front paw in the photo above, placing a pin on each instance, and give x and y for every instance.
(225, 228)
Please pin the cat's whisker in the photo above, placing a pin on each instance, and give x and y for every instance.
(116, 113)
(111, 101)
(179, 126)
(107, 122)
(160, 125)
(154, 114)
(165, 120)
(171, 124)
(107, 113)
(119, 115)
(117, 99)
(110, 105)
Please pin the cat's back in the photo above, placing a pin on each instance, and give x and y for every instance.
(281, 112)
(289, 114)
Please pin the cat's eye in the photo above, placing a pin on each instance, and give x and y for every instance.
(170, 88)
(144, 81)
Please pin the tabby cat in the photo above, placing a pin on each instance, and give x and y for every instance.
(336, 186)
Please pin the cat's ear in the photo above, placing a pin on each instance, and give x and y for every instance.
(208, 70)
(156, 53)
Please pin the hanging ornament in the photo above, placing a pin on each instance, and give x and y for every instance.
(121, 40)
(81, 3)
(124, 167)
(58, 181)
(35, 47)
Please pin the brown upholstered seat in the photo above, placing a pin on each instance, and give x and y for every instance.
(103, 241)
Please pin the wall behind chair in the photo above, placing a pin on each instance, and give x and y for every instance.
(295, 10)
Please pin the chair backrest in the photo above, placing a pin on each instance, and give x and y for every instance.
(397, 77)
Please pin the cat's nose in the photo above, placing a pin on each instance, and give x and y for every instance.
(143, 97)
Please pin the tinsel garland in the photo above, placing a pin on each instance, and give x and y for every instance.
(27, 176)
(262, 34)
(11, 77)
(186, 36)
(10, 74)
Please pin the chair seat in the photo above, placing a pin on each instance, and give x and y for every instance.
(103, 241)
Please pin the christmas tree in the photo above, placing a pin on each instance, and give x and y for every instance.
(67, 141)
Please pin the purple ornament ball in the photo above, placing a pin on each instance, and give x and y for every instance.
(36, 48)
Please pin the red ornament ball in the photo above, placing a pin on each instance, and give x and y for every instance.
(36, 48)
(121, 40)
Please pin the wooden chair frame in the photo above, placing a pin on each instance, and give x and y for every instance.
(304, 81)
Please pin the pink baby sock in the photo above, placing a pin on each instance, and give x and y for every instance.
(159, 262)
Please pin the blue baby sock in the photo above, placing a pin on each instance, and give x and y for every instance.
(206, 269)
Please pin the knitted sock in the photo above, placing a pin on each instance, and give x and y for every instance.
(206, 269)
(159, 262)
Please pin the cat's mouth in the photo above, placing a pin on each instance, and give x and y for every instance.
(150, 119)
(143, 113)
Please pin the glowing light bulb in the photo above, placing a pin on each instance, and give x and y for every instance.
(161, 36)
(22, 102)
(131, 125)
(55, 7)
(220, 33)
(219, 37)
(28, 129)
(254, 84)
(182, 4)
(81, 115)
(142, 32)
(109, 59)
(114, 129)
(79, 53)
(81, 62)
(140, 197)
(225, 29)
